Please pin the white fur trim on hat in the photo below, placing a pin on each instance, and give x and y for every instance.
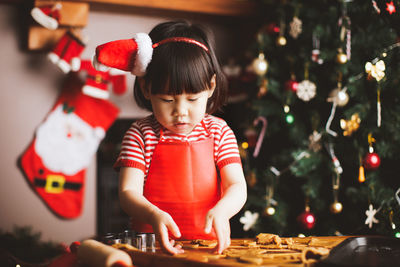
(98, 66)
(144, 53)
(44, 20)
(53, 57)
(64, 66)
(75, 64)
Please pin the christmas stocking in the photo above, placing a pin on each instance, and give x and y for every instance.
(48, 15)
(64, 144)
(98, 82)
(66, 52)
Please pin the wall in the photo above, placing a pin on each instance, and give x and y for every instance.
(29, 87)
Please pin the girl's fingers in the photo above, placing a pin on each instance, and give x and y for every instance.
(208, 224)
(174, 229)
(166, 243)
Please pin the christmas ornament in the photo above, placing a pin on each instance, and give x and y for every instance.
(249, 220)
(232, 70)
(361, 174)
(97, 82)
(371, 212)
(260, 138)
(336, 207)
(272, 28)
(269, 211)
(372, 161)
(339, 96)
(48, 15)
(306, 219)
(55, 162)
(315, 52)
(391, 220)
(295, 27)
(376, 71)
(66, 53)
(314, 140)
(270, 202)
(292, 84)
(306, 90)
(281, 40)
(350, 126)
(260, 65)
(341, 57)
(390, 7)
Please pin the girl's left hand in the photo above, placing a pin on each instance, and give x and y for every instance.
(220, 223)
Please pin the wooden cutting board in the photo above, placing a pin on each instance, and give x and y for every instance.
(242, 252)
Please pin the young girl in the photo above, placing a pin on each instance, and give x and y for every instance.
(180, 170)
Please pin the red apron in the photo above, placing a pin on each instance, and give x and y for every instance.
(183, 181)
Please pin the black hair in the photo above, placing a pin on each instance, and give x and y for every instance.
(180, 67)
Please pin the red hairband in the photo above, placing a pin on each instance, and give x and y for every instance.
(181, 39)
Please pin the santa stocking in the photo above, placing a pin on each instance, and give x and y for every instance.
(66, 53)
(56, 160)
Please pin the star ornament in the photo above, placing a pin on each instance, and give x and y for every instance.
(249, 220)
(371, 212)
(350, 126)
(390, 7)
(377, 71)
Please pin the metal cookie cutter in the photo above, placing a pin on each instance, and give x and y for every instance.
(146, 242)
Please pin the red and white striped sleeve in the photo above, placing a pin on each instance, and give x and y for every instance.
(226, 148)
(132, 149)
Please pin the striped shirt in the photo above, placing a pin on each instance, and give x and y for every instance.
(142, 137)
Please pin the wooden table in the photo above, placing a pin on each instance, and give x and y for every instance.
(293, 255)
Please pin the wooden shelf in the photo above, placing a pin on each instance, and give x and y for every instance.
(234, 8)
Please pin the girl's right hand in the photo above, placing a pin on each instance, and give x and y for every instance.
(161, 223)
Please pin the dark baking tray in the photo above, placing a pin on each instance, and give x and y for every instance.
(365, 251)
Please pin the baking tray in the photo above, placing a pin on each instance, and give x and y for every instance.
(365, 251)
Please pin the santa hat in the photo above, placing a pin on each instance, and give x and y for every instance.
(48, 16)
(133, 55)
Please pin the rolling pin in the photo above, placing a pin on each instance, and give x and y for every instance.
(97, 254)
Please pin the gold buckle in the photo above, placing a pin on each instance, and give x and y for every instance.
(59, 180)
(98, 78)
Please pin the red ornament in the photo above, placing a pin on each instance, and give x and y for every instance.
(306, 219)
(390, 8)
(272, 28)
(372, 161)
(291, 85)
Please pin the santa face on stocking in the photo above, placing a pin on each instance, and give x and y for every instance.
(66, 143)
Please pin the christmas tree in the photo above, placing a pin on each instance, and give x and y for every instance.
(320, 138)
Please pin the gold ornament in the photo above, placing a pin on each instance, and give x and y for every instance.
(341, 58)
(281, 40)
(269, 211)
(350, 126)
(377, 71)
(336, 207)
(338, 96)
(260, 65)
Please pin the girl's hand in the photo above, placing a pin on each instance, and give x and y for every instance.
(220, 223)
(162, 222)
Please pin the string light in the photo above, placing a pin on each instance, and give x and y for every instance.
(390, 8)
(245, 145)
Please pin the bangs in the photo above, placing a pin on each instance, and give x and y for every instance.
(179, 68)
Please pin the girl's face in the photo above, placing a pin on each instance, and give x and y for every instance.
(181, 113)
